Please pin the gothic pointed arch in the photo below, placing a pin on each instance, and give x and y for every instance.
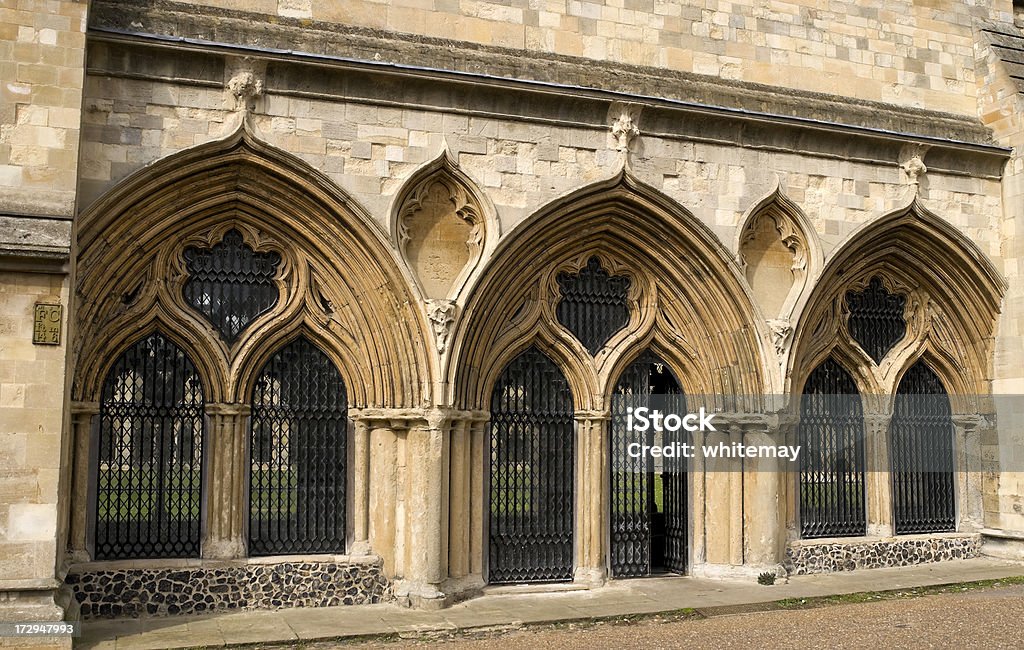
(682, 280)
(778, 249)
(949, 308)
(329, 264)
(443, 225)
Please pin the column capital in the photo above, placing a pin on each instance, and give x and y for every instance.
(85, 408)
(969, 423)
(409, 418)
(592, 415)
(218, 408)
(743, 423)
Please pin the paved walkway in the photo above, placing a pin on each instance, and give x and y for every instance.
(619, 598)
(982, 619)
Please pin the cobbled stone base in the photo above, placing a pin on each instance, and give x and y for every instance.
(811, 557)
(156, 592)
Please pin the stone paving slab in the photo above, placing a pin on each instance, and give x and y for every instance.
(641, 596)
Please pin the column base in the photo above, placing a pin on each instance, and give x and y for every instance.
(457, 590)
(589, 576)
(744, 572)
(1002, 544)
(419, 595)
(224, 549)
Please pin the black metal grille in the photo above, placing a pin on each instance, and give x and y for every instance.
(230, 284)
(298, 435)
(923, 461)
(594, 304)
(532, 448)
(149, 472)
(648, 504)
(832, 457)
(876, 319)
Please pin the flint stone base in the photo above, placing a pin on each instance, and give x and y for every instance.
(825, 556)
(134, 592)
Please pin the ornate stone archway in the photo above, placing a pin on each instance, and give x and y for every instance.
(948, 314)
(686, 299)
(335, 277)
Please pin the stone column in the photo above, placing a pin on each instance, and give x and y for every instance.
(83, 415)
(466, 502)
(719, 484)
(427, 513)
(763, 504)
(382, 524)
(592, 492)
(360, 488)
(970, 494)
(226, 498)
(478, 454)
(878, 481)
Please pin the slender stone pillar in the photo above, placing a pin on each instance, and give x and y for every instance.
(382, 525)
(83, 415)
(360, 488)
(592, 493)
(970, 495)
(763, 506)
(478, 456)
(427, 512)
(879, 479)
(460, 500)
(226, 503)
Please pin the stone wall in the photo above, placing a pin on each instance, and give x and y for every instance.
(370, 144)
(42, 59)
(42, 54)
(901, 51)
(133, 592)
(1001, 105)
(824, 556)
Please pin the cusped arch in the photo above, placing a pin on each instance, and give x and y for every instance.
(443, 226)
(344, 264)
(954, 296)
(775, 224)
(693, 281)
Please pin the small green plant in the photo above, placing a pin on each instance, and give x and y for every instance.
(766, 578)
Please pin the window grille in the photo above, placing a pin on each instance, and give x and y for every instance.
(298, 435)
(876, 320)
(648, 496)
(230, 284)
(594, 304)
(150, 466)
(531, 464)
(831, 433)
(923, 461)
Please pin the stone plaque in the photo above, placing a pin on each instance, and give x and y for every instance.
(46, 328)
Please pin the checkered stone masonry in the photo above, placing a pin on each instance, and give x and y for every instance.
(802, 559)
(196, 590)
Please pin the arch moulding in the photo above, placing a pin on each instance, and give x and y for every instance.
(334, 265)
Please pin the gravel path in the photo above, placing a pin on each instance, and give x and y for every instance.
(987, 618)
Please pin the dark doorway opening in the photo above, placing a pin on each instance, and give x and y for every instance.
(649, 523)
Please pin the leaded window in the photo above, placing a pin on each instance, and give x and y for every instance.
(230, 284)
(150, 466)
